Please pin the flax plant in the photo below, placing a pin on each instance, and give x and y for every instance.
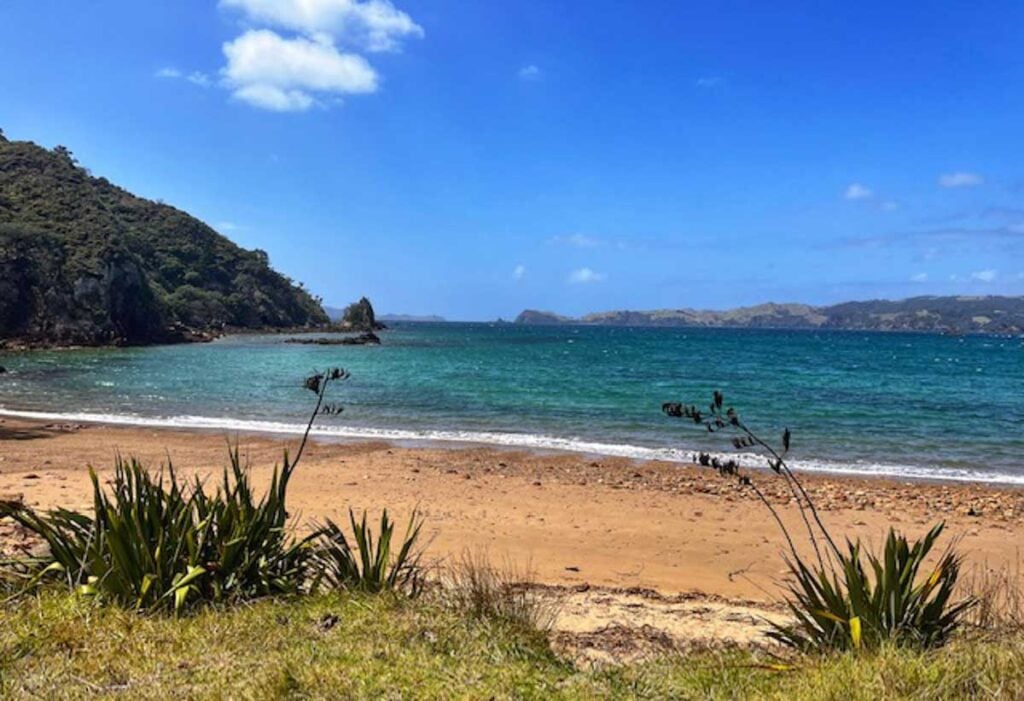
(843, 598)
(155, 541)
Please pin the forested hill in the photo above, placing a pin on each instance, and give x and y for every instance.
(83, 261)
(998, 315)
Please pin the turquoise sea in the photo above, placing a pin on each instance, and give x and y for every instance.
(900, 404)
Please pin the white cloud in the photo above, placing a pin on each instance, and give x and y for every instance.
(275, 99)
(890, 205)
(960, 179)
(984, 275)
(519, 272)
(708, 82)
(530, 72)
(857, 191)
(225, 226)
(375, 25)
(919, 277)
(167, 72)
(585, 275)
(577, 240)
(270, 71)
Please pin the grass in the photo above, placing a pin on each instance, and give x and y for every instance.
(351, 645)
(475, 586)
(1000, 596)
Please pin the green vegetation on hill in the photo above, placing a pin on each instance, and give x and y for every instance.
(1004, 315)
(83, 261)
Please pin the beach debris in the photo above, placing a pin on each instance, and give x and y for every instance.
(327, 621)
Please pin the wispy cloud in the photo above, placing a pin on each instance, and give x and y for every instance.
(577, 240)
(995, 213)
(1003, 213)
(195, 77)
(585, 276)
(960, 179)
(199, 78)
(530, 72)
(858, 191)
(984, 275)
(519, 272)
(1008, 235)
(919, 277)
(710, 81)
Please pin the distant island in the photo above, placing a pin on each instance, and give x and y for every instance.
(84, 262)
(428, 318)
(957, 315)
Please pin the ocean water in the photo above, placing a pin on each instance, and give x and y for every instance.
(899, 404)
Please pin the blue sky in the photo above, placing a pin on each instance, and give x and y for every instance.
(472, 159)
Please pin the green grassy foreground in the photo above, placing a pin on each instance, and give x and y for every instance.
(348, 646)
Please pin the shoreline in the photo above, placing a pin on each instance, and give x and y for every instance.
(454, 439)
(570, 519)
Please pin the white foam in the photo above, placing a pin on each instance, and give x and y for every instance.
(512, 440)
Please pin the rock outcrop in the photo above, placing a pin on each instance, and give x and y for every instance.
(364, 339)
(359, 316)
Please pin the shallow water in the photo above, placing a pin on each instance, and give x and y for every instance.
(899, 404)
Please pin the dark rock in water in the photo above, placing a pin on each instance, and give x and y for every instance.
(360, 317)
(2, 369)
(364, 339)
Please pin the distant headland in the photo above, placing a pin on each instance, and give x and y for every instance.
(954, 315)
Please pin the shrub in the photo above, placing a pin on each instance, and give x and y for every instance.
(370, 566)
(842, 600)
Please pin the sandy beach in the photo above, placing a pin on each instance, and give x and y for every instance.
(570, 519)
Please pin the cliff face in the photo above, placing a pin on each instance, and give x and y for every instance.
(85, 262)
(1004, 315)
